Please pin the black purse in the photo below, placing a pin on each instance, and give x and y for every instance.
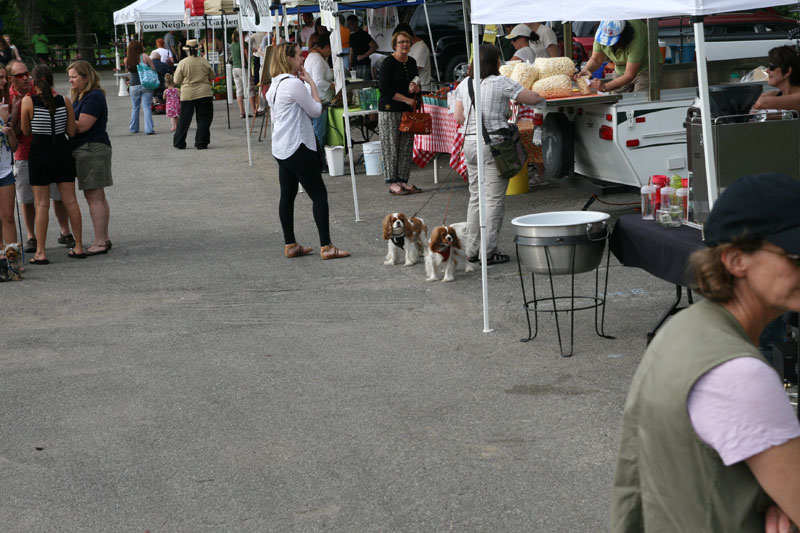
(509, 155)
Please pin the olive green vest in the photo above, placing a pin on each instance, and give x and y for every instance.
(667, 479)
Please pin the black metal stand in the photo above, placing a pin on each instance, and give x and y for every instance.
(598, 303)
(673, 308)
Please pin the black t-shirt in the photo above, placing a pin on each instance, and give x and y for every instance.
(394, 77)
(359, 42)
(93, 103)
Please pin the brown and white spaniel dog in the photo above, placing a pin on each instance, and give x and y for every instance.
(402, 233)
(446, 253)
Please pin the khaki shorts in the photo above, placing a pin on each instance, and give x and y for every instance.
(93, 166)
(24, 191)
(238, 81)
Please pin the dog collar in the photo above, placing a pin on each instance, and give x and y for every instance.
(400, 242)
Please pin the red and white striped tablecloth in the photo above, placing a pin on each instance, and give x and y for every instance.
(444, 139)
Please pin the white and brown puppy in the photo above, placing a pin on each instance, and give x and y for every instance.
(402, 233)
(446, 252)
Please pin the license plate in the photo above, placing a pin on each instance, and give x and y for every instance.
(537, 136)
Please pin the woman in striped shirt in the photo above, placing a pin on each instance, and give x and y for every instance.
(49, 117)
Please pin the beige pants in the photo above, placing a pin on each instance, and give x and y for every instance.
(495, 188)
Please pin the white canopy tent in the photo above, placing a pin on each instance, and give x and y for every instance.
(166, 15)
(520, 11)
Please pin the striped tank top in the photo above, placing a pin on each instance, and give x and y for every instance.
(42, 123)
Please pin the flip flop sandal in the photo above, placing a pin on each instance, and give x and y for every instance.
(401, 192)
(40, 261)
(72, 255)
(413, 189)
(104, 249)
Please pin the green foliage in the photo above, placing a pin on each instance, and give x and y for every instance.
(58, 18)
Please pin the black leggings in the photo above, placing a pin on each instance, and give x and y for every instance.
(303, 167)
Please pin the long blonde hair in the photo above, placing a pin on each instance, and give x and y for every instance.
(279, 60)
(85, 70)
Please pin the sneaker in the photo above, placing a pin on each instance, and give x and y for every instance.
(67, 240)
(30, 246)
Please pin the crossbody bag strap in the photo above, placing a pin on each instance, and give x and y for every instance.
(471, 87)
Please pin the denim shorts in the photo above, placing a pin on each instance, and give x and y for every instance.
(8, 180)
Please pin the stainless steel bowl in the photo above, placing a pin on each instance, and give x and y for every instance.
(572, 240)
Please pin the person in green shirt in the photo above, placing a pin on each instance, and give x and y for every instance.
(41, 45)
(625, 43)
(238, 73)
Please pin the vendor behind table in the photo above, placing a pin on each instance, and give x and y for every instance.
(520, 37)
(784, 74)
(625, 43)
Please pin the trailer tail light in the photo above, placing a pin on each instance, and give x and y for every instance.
(610, 117)
(607, 133)
(538, 119)
(639, 120)
(632, 143)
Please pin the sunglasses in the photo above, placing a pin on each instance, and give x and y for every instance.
(772, 67)
(794, 258)
(22, 75)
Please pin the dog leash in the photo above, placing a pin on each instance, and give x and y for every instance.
(442, 184)
(449, 196)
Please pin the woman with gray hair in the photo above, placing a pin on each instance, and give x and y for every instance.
(709, 440)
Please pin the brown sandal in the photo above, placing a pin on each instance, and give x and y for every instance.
(332, 252)
(295, 250)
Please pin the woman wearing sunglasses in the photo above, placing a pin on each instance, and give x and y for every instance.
(783, 74)
(709, 439)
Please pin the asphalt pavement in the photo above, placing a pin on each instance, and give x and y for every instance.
(194, 379)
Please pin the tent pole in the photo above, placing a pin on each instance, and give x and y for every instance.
(228, 70)
(705, 111)
(466, 27)
(247, 91)
(346, 114)
(433, 44)
(481, 187)
(285, 24)
(123, 91)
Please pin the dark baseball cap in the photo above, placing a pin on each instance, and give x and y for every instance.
(761, 206)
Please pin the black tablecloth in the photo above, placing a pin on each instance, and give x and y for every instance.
(662, 252)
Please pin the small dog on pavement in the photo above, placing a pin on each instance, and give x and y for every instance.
(11, 266)
(404, 234)
(446, 252)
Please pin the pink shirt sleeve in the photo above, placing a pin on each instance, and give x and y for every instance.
(740, 409)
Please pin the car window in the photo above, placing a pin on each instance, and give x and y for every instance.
(777, 27)
(446, 17)
(734, 29)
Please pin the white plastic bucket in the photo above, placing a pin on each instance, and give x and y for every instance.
(372, 158)
(334, 155)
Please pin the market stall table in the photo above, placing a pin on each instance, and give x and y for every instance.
(336, 133)
(444, 139)
(662, 252)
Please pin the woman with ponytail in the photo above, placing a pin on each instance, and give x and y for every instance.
(49, 117)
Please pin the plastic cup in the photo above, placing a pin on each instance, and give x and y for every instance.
(648, 202)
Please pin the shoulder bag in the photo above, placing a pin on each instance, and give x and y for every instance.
(147, 76)
(416, 122)
(509, 155)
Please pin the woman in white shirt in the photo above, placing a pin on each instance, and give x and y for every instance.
(295, 149)
(317, 67)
